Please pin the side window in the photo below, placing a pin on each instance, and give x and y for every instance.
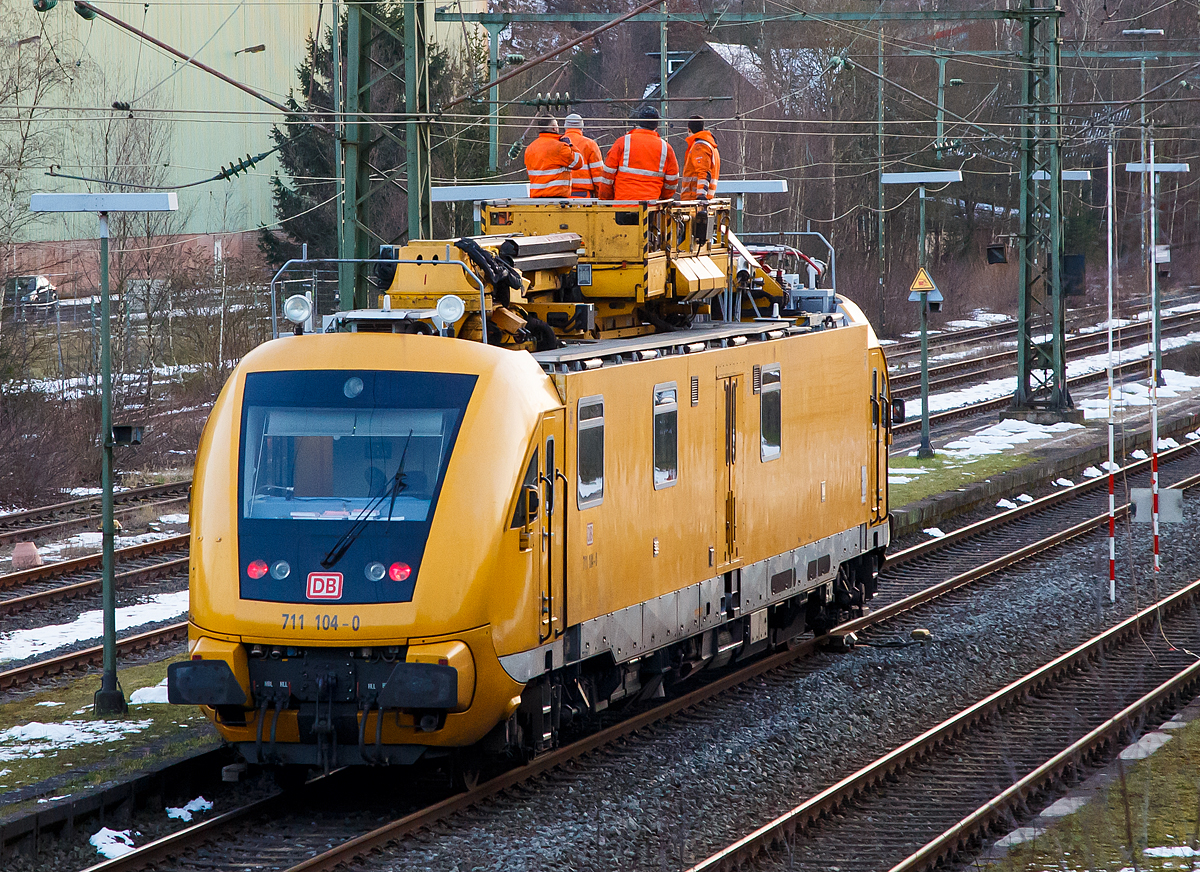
(530, 480)
(666, 435)
(590, 453)
(770, 423)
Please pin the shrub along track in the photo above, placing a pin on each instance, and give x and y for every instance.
(306, 835)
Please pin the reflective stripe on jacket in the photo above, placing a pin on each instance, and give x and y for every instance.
(640, 166)
(585, 181)
(549, 162)
(701, 166)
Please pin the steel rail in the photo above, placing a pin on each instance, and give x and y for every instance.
(970, 369)
(829, 800)
(1004, 402)
(1040, 504)
(90, 561)
(8, 518)
(90, 656)
(910, 347)
(377, 839)
(173, 844)
(56, 527)
(975, 824)
(82, 588)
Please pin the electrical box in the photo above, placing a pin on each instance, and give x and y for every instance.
(127, 434)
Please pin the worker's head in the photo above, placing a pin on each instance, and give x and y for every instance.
(646, 117)
(696, 123)
(573, 120)
(547, 124)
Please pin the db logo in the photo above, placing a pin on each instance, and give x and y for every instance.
(325, 585)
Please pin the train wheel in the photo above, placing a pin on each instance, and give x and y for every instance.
(466, 769)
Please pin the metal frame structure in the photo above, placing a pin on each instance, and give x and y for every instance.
(1041, 367)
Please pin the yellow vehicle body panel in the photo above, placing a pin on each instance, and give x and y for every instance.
(811, 491)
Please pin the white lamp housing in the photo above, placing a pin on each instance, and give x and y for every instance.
(297, 309)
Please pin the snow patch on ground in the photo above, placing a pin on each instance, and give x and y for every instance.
(1005, 504)
(1005, 436)
(94, 541)
(44, 740)
(185, 813)
(934, 532)
(112, 843)
(1092, 472)
(148, 695)
(1138, 455)
(1024, 498)
(1063, 482)
(1171, 851)
(175, 519)
(19, 644)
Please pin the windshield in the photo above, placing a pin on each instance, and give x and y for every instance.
(320, 454)
(332, 451)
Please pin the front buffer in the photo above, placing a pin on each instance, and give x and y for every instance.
(333, 706)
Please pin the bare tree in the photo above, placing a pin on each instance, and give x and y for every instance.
(31, 74)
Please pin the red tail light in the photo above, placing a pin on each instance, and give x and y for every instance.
(257, 569)
(398, 571)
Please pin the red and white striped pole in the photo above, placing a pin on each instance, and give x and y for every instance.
(1112, 464)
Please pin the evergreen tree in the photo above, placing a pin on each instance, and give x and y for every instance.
(305, 192)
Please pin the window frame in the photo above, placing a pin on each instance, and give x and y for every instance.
(766, 389)
(580, 427)
(665, 408)
(531, 465)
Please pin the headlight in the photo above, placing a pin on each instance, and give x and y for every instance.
(450, 308)
(297, 308)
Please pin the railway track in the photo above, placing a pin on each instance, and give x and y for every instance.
(947, 375)
(1086, 316)
(74, 661)
(72, 515)
(913, 424)
(296, 841)
(69, 579)
(940, 794)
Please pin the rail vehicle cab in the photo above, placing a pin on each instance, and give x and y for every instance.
(415, 533)
(349, 613)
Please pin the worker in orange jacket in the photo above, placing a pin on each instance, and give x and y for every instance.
(585, 182)
(640, 165)
(701, 163)
(550, 159)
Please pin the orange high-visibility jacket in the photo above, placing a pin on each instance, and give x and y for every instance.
(549, 161)
(701, 167)
(585, 181)
(640, 166)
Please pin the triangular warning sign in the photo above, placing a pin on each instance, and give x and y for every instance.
(922, 282)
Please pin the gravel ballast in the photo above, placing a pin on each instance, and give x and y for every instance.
(671, 795)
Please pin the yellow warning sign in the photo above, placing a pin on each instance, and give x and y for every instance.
(922, 282)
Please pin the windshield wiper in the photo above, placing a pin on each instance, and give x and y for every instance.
(342, 545)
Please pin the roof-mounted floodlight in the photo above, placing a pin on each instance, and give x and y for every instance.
(297, 309)
(449, 309)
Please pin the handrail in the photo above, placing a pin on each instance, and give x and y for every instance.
(478, 282)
